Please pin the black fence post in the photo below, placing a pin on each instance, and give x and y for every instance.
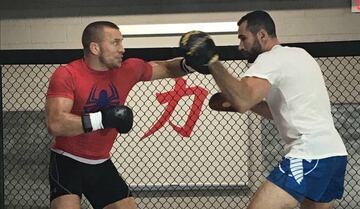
(2, 177)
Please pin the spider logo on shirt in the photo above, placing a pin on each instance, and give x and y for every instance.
(102, 100)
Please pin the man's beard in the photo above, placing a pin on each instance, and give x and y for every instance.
(107, 64)
(254, 52)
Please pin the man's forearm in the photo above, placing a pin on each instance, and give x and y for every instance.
(231, 87)
(66, 124)
(262, 109)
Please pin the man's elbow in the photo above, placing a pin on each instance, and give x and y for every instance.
(53, 129)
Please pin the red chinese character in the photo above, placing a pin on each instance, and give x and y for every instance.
(172, 98)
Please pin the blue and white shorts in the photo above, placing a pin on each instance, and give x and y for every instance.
(319, 180)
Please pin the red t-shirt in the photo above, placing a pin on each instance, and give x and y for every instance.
(91, 91)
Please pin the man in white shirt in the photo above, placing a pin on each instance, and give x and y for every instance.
(284, 84)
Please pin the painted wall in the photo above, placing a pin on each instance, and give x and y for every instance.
(304, 25)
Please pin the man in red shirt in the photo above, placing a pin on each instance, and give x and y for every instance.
(85, 112)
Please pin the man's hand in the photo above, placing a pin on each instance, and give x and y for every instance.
(119, 117)
(199, 51)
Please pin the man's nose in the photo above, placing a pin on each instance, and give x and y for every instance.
(121, 49)
(241, 46)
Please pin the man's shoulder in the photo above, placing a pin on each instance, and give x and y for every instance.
(137, 69)
(292, 49)
(73, 65)
(133, 61)
(282, 51)
(68, 69)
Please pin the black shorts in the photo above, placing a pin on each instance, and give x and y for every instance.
(101, 184)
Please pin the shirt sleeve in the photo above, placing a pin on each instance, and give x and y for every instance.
(61, 84)
(266, 67)
(140, 68)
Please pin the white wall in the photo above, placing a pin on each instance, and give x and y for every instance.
(335, 24)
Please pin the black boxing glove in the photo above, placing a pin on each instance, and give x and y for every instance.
(199, 51)
(119, 117)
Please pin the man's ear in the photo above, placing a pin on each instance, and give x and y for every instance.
(262, 35)
(94, 48)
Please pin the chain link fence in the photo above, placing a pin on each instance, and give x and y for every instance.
(179, 154)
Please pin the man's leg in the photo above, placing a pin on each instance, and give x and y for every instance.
(270, 196)
(65, 182)
(309, 204)
(325, 183)
(66, 202)
(105, 188)
(127, 203)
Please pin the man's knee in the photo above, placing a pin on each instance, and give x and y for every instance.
(271, 196)
(309, 204)
(127, 203)
(66, 202)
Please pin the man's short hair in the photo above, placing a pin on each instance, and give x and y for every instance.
(258, 20)
(94, 33)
